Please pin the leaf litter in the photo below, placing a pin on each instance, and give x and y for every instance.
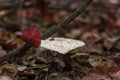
(98, 27)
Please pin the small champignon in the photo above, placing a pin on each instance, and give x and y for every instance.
(63, 46)
(32, 35)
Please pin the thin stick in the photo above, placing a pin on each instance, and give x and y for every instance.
(66, 21)
(15, 51)
(11, 54)
(51, 31)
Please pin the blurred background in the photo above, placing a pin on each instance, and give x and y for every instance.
(18, 15)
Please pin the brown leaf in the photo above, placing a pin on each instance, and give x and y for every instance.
(9, 68)
(7, 46)
(94, 76)
(5, 78)
(28, 73)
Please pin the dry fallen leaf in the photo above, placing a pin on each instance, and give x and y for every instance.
(5, 78)
(94, 76)
(116, 75)
(114, 72)
(10, 68)
(61, 45)
(21, 68)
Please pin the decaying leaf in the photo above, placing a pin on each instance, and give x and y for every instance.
(60, 62)
(61, 45)
(114, 72)
(21, 68)
(114, 39)
(94, 76)
(116, 75)
(5, 78)
(10, 68)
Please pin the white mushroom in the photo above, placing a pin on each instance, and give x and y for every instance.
(61, 45)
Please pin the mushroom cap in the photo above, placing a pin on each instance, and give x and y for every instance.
(32, 34)
(61, 45)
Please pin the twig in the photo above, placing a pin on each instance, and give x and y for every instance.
(51, 31)
(10, 54)
(15, 52)
(66, 21)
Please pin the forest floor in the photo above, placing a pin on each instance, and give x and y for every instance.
(98, 27)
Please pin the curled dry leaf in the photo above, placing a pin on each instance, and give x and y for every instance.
(21, 68)
(61, 45)
(94, 63)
